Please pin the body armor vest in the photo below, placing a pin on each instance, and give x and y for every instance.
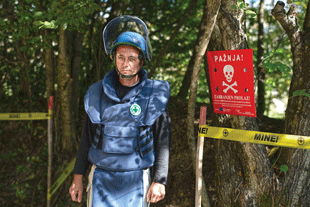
(124, 140)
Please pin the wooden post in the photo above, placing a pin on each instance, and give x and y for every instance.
(49, 148)
(199, 158)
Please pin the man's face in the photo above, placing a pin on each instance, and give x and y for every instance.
(127, 60)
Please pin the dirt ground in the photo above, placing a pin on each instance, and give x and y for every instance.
(24, 159)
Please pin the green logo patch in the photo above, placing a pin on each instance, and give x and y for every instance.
(135, 109)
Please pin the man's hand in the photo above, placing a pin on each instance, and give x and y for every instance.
(156, 192)
(76, 188)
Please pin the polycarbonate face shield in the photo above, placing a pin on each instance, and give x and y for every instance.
(123, 24)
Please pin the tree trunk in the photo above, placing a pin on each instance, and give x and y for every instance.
(76, 58)
(261, 105)
(64, 95)
(211, 10)
(242, 169)
(49, 65)
(297, 120)
(173, 35)
(24, 83)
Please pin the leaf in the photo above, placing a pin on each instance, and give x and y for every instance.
(241, 5)
(48, 25)
(301, 92)
(37, 23)
(251, 13)
(38, 14)
(298, 92)
(233, 6)
(64, 26)
(2, 22)
(21, 168)
(23, 48)
(284, 168)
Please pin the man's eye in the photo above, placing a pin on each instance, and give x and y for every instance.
(132, 59)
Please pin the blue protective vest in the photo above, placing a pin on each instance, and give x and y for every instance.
(124, 138)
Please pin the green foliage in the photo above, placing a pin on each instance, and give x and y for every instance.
(284, 168)
(73, 13)
(21, 168)
(301, 93)
(277, 66)
(20, 191)
(277, 62)
(245, 7)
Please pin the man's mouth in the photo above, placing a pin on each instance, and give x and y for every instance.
(125, 70)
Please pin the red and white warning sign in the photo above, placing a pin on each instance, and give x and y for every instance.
(232, 82)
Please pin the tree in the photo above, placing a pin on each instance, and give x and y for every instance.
(243, 170)
(68, 63)
(50, 64)
(64, 95)
(297, 118)
(209, 17)
(261, 105)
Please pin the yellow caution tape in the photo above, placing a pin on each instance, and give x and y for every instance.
(266, 138)
(61, 179)
(25, 116)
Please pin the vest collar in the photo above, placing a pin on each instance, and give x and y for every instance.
(109, 84)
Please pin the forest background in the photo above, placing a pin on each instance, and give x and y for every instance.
(54, 48)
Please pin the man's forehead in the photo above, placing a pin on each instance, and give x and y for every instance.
(127, 49)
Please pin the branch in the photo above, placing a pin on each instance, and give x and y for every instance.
(307, 19)
(288, 21)
(173, 35)
(9, 61)
(293, 10)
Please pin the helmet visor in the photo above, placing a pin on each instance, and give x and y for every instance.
(123, 24)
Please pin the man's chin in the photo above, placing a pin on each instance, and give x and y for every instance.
(125, 73)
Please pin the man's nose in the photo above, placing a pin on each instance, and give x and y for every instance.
(126, 62)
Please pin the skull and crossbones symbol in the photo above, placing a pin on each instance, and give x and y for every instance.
(229, 74)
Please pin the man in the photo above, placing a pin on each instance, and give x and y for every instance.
(126, 135)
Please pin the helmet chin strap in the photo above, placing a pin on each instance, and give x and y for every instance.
(125, 76)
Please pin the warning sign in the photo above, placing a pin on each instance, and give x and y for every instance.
(232, 82)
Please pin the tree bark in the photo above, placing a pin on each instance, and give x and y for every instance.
(24, 84)
(76, 58)
(297, 120)
(261, 105)
(49, 64)
(242, 169)
(173, 35)
(64, 94)
(212, 12)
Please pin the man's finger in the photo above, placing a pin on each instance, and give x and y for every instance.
(72, 193)
(75, 195)
(154, 199)
(149, 195)
(79, 196)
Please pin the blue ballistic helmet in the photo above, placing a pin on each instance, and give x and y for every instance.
(127, 30)
(132, 39)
